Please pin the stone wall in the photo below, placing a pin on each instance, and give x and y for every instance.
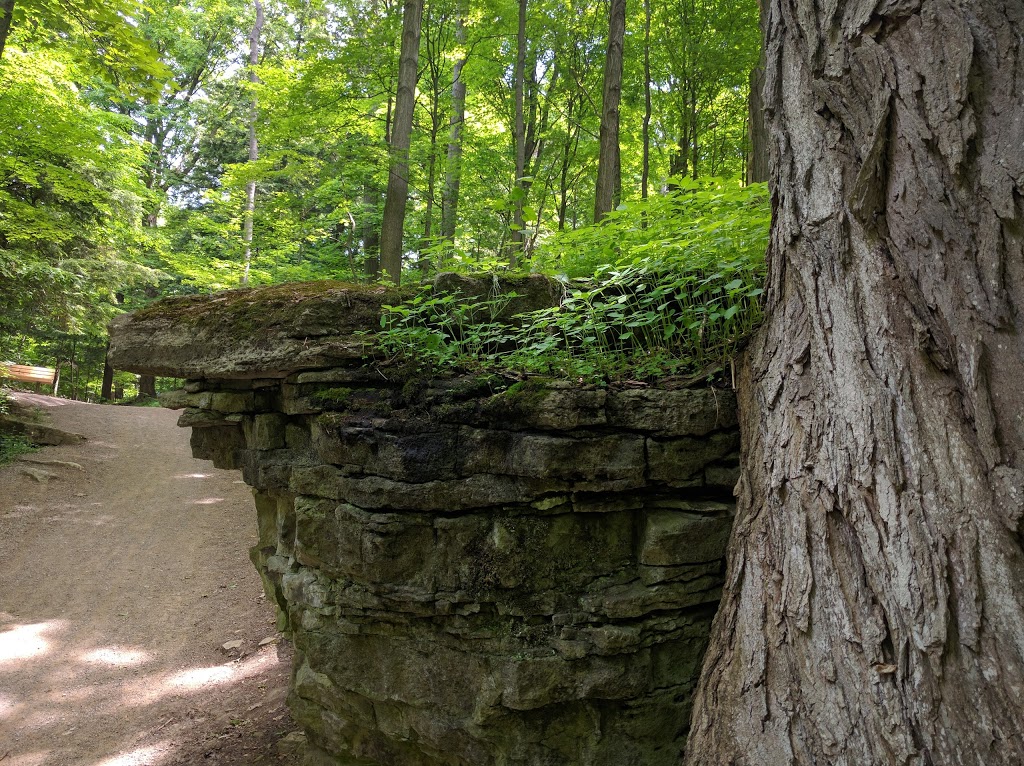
(474, 572)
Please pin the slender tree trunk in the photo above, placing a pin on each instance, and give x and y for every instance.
(108, 370)
(563, 177)
(371, 234)
(519, 187)
(757, 156)
(6, 18)
(107, 388)
(608, 168)
(694, 138)
(250, 187)
(757, 129)
(874, 604)
(393, 223)
(428, 213)
(453, 167)
(645, 173)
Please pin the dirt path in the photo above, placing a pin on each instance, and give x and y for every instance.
(119, 583)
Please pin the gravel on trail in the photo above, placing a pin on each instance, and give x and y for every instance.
(124, 571)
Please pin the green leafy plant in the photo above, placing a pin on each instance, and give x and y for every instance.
(674, 286)
(12, 447)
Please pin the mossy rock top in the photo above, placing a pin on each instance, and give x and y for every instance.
(251, 332)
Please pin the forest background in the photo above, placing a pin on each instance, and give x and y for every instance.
(181, 147)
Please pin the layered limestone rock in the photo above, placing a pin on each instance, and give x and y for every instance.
(472, 572)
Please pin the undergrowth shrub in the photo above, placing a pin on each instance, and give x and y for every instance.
(665, 287)
(12, 447)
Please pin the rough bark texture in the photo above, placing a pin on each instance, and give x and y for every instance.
(608, 168)
(874, 611)
(393, 223)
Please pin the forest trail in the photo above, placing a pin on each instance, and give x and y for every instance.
(120, 581)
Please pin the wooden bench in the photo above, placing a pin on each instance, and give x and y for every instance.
(25, 374)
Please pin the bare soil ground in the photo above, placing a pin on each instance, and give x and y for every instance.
(120, 582)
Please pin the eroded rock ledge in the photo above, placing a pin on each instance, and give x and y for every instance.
(471, 573)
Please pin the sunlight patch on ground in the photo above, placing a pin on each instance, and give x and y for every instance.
(116, 656)
(73, 696)
(193, 476)
(25, 641)
(28, 759)
(209, 501)
(197, 678)
(143, 756)
(152, 689)
(7, 706)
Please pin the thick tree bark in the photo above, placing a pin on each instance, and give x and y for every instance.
(6, 17)
(608, 167)
(393, 223)
(453, 166)
(250, 187)
(874, 607)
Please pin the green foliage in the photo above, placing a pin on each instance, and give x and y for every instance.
(101, 37)
(12, 447)
(693, 227)
(70, 199)
(123, 168)
(674, 286)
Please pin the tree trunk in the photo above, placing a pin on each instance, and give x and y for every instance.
(371, 233)
(147, 386)
(250, 187)
(393, 223)
(608, 172)
(107, 389)
(6, 17)
(874, 605)
(518, 187)
(757, 129)
(453, 168)
(645, 173)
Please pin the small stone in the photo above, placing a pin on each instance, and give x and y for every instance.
(38, 474)
(229, 646)
(269, 640)
(292, 743)
(53, 463)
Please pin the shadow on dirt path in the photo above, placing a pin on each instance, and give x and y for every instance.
(123, 572)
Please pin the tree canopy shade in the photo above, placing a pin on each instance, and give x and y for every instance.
(874, 611)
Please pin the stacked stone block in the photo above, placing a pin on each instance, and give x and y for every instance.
(477, 573)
